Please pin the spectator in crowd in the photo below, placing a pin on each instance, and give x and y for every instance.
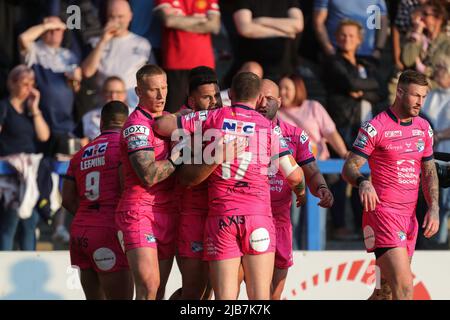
(298, 110)
(351, 83)
(113, 89)
(437, 110)
(352, 90)
(118, 52)
(186, 42)
(427, 40)
(57, 77)
(401, 26)
(268, 33)
(329, 13)
(147, 25)
(21, 127)
(310, 115)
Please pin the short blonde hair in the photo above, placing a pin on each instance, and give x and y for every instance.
(348, 22)
(17, 73)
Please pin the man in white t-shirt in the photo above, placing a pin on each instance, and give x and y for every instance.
(118, 52)
(113, 89)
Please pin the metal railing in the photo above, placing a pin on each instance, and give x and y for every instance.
(314, 218)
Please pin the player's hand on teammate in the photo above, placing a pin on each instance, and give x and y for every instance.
(431, 222)
(230, 148)
(326, 197)
(368, 196)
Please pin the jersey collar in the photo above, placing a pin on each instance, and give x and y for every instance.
(145, 113)
(396, 119)
(242, 106)
(109, 132)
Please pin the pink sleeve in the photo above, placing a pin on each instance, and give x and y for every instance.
(138, 137)
(278, 144)
(428, 152)
(303, 154)
(194, 120)
(366, 140)
(327, 125)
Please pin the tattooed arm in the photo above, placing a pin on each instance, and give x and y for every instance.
(316, 183)
(430, 187)
(150, 171)
(352, 174)
(165, 125)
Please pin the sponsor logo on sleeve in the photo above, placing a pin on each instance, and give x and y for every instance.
(361, 141)
(189, 116)
(277, 130)
(420, 145)
(418, 133)
(430, 132)
(370, 129)
(393, 134)
(203, 115)
(136, 142)
(283, 142)
(136, 129)
(303, 137)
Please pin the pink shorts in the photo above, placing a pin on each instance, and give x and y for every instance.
(96, 248)
(387, 230)
(229, 237)
(191, 230)
(137, 228)
(146, 229)
(283, 253)
(166, 231)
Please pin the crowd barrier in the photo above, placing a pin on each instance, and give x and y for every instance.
(315, 219)
(323, 275)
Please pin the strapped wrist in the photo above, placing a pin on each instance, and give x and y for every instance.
(360, 180)
(321, 186)
(172, 162)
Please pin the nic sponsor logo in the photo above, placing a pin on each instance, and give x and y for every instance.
(95, 150)
(239, 127)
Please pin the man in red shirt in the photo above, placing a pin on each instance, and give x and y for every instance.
(187, 44)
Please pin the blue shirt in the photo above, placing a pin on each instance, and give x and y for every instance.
(17, 134)
(57, 98)
(144, 22)
(357, 10)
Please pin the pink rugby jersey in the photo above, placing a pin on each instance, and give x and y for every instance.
(242, 186)
(95, 169)
(137, 134)
(299, 146)
(395, 150)
(194, 201)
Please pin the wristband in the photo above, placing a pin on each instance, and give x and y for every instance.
(322, 186)
(172, 163)
(360, 180)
